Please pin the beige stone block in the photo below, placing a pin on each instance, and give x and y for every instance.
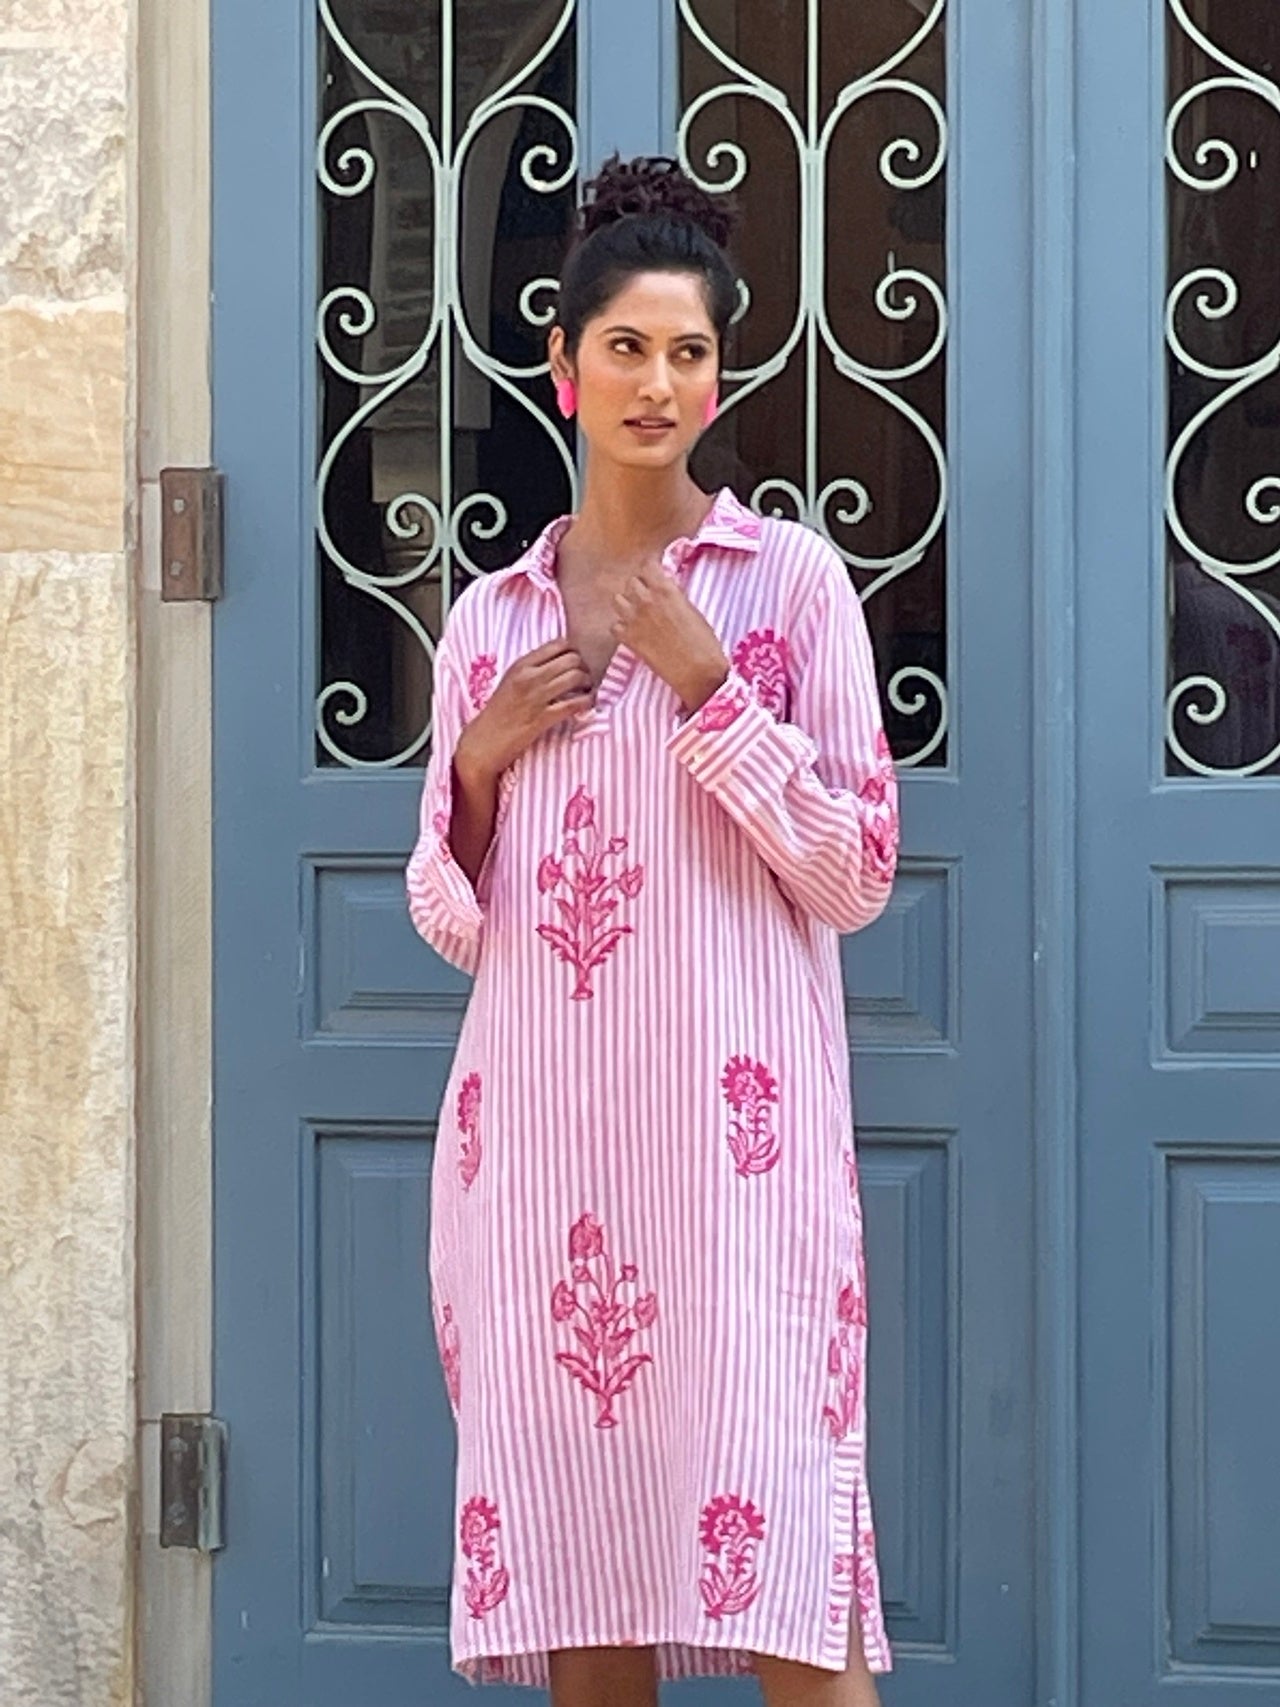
(103, 21)
(62, 429)
(62, 164)
(67, 1169)
(173, 210)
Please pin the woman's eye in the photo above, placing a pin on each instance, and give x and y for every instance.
(690, 353)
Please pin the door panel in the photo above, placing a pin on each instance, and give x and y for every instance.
(391, 182)
(1179, 842)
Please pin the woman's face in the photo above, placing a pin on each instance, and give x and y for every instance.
(646, 366)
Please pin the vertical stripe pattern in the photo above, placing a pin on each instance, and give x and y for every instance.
(646, 1238)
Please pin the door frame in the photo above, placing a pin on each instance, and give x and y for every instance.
(170, 91)
(174, 694)
(1055, 756)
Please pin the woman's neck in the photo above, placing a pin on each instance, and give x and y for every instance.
(629, 513)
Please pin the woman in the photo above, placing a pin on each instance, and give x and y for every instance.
(659, 790)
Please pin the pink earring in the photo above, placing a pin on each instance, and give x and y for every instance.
(713, 404)
(566, 397)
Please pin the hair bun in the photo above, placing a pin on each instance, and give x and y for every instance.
(653, 184)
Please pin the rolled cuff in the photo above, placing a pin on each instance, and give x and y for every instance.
(734, 746)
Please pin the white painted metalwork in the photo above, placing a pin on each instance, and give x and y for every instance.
(448, 525)
(899, 295)
(445, 527)
(1216, 295)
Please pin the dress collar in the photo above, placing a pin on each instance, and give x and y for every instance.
(729, 525)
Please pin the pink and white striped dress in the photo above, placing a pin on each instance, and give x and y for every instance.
(646, 1235)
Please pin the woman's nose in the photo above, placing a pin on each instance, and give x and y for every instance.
(658, 380)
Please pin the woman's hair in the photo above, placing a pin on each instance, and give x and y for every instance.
(642, 216)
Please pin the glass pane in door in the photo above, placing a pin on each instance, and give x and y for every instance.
(827, 124)
(1222, 497)
(446, 171)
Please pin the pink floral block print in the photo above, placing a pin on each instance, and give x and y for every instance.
(866, 1576)
(603, 1321)
(731, 1532)
(724, 707)
(586, 895)
(442, 824)
(451, 1356)
(843, 1369)
(760, 658)
(487, 1580)
(752, 1093)
(469, 1130)
(480, 679)
(855, 1192)
(845, 1572)
(882, 830)
(852, 1572)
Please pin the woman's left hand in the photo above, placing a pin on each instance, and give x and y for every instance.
(656, 620)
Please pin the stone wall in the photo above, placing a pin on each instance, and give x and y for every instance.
(67, 1218)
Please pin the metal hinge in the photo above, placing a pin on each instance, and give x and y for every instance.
(190, 533)
(193, 1457)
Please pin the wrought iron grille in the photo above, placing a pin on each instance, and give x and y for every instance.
(447, 163)
(1222, 331)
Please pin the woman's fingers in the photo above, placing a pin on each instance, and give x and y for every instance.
(570, 706)
(548, 653)
(560, 680)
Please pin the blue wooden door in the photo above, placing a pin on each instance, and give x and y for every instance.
(393, 184)
(1179, 812)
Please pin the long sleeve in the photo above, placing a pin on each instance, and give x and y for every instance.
(817, 794)
(446, 910)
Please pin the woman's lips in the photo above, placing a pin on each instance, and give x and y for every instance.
(649, 429)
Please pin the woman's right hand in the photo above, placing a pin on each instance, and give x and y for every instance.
(541, 689)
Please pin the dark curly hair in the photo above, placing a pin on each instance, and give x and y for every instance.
(641, 216)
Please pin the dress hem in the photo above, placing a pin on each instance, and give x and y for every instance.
(679, 1657)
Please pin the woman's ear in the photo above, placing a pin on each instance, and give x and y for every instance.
(556, 354)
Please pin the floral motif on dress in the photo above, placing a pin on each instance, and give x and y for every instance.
(451, 1356)
(760, 658)
(469, 1130)
(880, 827)
(480, 679)
(724, 707)
(844, 1360)
(844, 1570)
(487, 1581)
(866, 1566)
(731, 1532)
(855, 1195)
(585, 894)
(752, 1094)
(442, 824)
(594, 1304)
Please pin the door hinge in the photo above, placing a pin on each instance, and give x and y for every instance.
(193, 1458)
(190, 534)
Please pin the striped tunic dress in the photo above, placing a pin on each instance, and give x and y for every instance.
(646, 1254)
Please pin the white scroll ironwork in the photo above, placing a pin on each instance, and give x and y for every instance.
(446, 525)
(1214, 294)
(899, 295)
(440, 529)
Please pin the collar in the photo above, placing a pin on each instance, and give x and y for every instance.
(728, 525)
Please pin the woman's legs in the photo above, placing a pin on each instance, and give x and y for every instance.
(785, 1683)
(604, 1677)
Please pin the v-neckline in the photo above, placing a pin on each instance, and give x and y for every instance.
(620, 671)
(615, 678)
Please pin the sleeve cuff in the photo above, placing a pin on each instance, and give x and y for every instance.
(460, 899)
(484, 877)
(734, 745)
